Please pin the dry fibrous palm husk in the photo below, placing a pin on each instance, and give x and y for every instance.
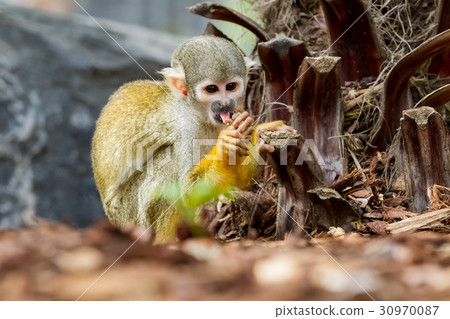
(301, 20)
(400, 25)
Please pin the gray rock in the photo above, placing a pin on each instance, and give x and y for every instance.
(167, 15)
(55, 76)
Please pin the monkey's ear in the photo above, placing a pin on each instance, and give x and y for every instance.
(176, 81)
(249, 62)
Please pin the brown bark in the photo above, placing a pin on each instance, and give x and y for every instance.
(440, 64)
(318, 113)
(218, 12)
(396, 89)
(426, 154)
(281, 58)
(298, 169)
(348, 181)
(254, 94)
(352, 38)
(436, 99)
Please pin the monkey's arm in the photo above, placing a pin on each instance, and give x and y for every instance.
(250, 166)
(228, 165)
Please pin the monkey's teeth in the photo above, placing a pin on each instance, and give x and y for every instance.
(224, 116)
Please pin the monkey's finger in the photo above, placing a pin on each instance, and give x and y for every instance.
(231, 149)
(288, 128)
(248, 132)
(236, 141)
(284, 127)
(236, 133)
(230, 133)
(267, 148)
(245, 125)
(234, 138)
(236, 150)
(235, 115)
(263, 147)
(242, 152)
(241, 118)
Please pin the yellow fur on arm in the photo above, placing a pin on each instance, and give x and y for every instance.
(250, 166)
(220, 175)
(247, 168)
(210, 174)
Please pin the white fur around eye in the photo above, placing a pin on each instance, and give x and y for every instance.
(204, 96)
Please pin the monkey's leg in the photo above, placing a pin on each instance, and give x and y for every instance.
(166, 225)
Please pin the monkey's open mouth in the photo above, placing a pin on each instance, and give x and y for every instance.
(223, 117)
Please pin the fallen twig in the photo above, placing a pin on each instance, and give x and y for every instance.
(414, 223)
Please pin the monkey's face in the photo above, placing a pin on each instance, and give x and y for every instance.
(220, 98)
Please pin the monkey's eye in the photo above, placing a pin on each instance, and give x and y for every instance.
(212, 89)
(231, 86)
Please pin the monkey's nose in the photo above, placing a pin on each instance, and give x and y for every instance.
(219, 107)
(224, 102)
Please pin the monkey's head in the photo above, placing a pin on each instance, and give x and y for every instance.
(211, 74)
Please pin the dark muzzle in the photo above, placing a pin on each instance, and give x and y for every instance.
(218, 108)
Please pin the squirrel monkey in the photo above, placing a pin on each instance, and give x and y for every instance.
(147, 135)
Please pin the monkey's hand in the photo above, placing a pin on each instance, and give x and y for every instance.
(232, 140)
(271, 126)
